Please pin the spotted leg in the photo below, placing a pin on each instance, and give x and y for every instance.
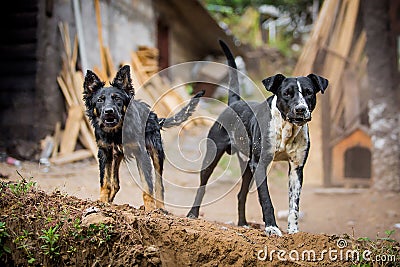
(295, 184)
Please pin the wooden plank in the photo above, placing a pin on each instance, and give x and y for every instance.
(71, 157)
(74, 56)
(333, 65)
(57, 138)
(65, 91)
(358, 49)
(71, 130)
(137, 68)
(87, 138)
(100, 73)
(100, 35)
(318, 38)
(158, 106)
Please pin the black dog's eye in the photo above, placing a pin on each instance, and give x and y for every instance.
(116, 98)
(100, 99)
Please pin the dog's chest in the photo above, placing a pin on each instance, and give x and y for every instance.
(115, 148)
(289, 141)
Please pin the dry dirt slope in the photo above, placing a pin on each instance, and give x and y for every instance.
(55, 229)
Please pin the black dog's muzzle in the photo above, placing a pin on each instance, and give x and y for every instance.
(110, 118)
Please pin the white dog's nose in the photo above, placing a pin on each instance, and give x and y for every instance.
(300, 109)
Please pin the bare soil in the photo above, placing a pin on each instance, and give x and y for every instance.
(126, 235)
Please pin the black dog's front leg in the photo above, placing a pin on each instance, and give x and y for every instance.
(260, 171)
(295, 185)
(117, 158)
(105, 166)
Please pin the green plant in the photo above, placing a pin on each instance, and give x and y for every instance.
(384, 251)
(3, 236)
(22, 186)
(23, 242)
(50, 238)
(76, 231)
(100, 233)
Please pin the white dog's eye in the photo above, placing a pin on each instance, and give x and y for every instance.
(307, 92)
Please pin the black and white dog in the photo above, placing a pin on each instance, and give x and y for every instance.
(259, 133)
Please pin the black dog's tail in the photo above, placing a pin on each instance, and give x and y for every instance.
(234, 94)
(183, 114)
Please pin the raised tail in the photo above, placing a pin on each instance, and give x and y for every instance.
(234, 94)
(183, 114)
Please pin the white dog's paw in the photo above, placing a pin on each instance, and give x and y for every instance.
(273, 230)
(293, 230)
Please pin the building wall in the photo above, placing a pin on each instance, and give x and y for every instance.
(125, 25)
(31, 109)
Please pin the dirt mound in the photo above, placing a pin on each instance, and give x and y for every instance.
(59, 230)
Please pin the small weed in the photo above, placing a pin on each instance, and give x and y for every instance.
(3, 235)
(50, 238)
(22, 186)
(24, 242)
(100, 233)
(383, 251)
(76, 231)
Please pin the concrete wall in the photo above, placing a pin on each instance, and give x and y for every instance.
(125, 25)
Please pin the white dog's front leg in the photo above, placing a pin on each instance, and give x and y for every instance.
(295, 184)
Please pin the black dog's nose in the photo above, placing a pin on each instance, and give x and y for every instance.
(109, 111)
(300, 109)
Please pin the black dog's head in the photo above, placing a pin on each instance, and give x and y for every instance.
(106, 106)
(296, 97)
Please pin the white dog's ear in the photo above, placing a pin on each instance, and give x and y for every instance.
(273, 83)
(92, 83)
(123, 80)
(320, 82)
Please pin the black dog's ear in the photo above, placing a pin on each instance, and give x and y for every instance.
(123, 80)
(92, 83)
(320, 82)
(272, 83)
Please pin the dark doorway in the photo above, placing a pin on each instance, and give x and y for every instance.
(357, 163)
(163, 44)
(18, 69)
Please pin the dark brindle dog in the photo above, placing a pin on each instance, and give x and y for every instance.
(106, 108)
(259, 133)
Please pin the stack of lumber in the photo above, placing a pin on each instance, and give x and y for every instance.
(341, 48)
(77, 126)
(148, 56)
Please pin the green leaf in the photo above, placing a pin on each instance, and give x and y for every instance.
(7, 249)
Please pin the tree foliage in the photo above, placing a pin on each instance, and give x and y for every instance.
(239, 16)
(238, 7)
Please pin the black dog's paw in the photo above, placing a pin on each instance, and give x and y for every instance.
(191, 216)
(243, 223)
(163, 211)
